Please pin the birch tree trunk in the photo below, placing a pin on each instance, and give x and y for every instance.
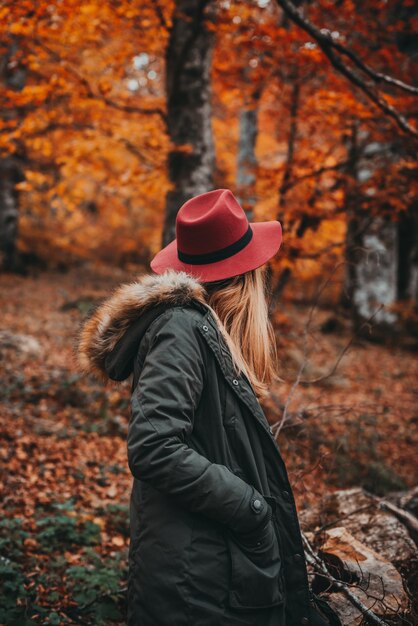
(372, 243)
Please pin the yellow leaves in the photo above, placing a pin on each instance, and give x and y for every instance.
(313, 54)
(115, 220)
(404, 164)
(42, 145)
(338, 195)
(35, 92)
(106, 85)
(46, 149)
(57, 80)
(30, 94)
(126, 11)
(331, 231)
(21, 28)
(37, 143)
(24, 186)
(6, 145)
(88, 9)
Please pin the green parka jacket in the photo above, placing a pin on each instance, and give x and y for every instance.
(215, 538)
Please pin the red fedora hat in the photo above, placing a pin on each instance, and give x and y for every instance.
(214, 239)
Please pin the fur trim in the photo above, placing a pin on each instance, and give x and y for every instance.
(101, 332)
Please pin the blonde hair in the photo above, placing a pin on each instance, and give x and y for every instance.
(240, 305)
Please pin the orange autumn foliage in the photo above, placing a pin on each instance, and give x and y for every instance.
(94, 149)
(89, 122)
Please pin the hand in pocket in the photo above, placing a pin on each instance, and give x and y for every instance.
(255, 568)
(259, 536)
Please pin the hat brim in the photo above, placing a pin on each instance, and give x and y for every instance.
(264, 244)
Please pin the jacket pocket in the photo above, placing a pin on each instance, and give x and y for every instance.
(255, 575)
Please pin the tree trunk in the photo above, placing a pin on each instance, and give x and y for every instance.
(286, 183)
(246, 159)
(12, 76)
(352, 210)
(10, 174)
(371, 277)
(376, 272)
(189, 109)
(408, 254)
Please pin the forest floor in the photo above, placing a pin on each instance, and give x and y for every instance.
(66, 480)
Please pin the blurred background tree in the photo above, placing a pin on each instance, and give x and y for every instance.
(115, 114)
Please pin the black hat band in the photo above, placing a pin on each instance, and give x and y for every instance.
(217, 255)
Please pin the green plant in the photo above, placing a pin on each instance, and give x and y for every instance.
(64, 529)
(95, 586)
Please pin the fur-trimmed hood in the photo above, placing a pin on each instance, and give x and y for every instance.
(112, 319)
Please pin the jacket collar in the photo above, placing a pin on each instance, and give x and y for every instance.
(131, 305)
(239, 384)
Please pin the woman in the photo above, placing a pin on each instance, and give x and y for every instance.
(215, 538)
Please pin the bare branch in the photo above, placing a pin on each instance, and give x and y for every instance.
(315, 173)
(73, 126)
(299, 380)
(327, 44)
(407, 519)
(378, 77)
(160, 15)
(319, 253)
(97, 95)
(338, 520)
(320, 566)
(344, 350)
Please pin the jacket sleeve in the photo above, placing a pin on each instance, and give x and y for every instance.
(163, 405)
